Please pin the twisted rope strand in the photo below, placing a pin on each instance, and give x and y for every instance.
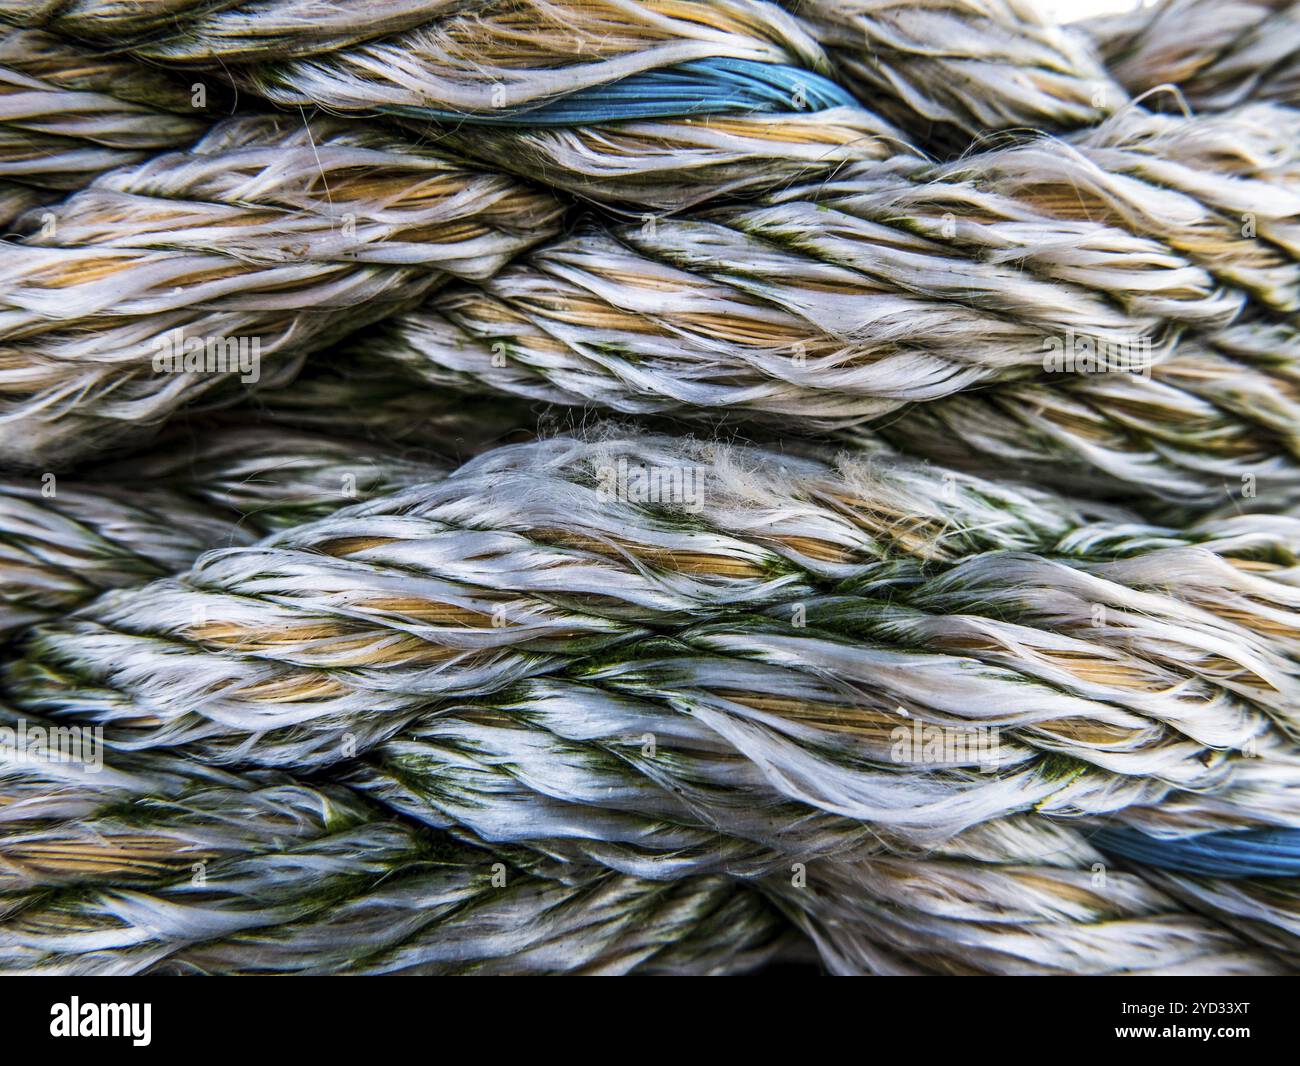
(207, 871)
(68, 114)
(662, 102)
(1156, 201)
(846, 300)
(517, 567)
(169, 868)
(1218, 55)
(213, 484)
(272, 232)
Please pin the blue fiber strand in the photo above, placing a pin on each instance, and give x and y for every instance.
(704, 87)
(1250, 853)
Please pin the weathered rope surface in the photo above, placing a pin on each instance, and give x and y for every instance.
(660, 102)
(337, 226)
(209, 871)
(158, 865)
(1218, 55)
(626, 699)
(616, 80)
(1204, 205)
(829, 304)
(817, 585)
(950, 71)
(211, 484)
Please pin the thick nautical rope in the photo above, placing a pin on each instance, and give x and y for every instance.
(1182, 260)
(603, 96)
(797, 610)
(619, 782)
(1218, 56)
(631, 783)
(204, 870)
(150, 864)
(642, 699)
(68, 114)
(1169, 241)
(208, 871)
(271, 237)
(657, 102)
(610, 97)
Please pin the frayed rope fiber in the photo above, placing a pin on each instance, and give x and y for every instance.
(649, 486)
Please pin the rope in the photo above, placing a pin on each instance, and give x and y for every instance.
(204, 872)
(214, 484)
(340, 226)
(69, 114)
(791, 580)
(1216, 62)
(828, 305)
(936, 615)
